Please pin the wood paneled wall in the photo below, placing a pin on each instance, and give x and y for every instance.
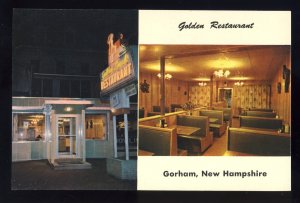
(281, 103)
(176, 92)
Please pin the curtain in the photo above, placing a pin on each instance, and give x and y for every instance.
(199, 95)
(252, 96)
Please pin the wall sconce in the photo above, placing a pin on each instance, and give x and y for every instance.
(202, 84)
(239, 83)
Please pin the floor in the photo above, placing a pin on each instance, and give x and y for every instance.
(38, 175)
(219, 146)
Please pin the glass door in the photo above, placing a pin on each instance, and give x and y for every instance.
(67, 136)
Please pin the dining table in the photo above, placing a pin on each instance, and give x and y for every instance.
(186, 130)
(213, 120)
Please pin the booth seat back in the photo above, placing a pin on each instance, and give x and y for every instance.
(213, 114)
(153, 114)
(160, 141)
(174, 106)
(260, 122)
(195, 121)
(261, 114)
(265, 110)
(258, 142)
(141, 113)
(157, 109)
(227, 112)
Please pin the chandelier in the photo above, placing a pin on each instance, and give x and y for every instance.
(239, 83)
(202, 84)
(221, 73)
(167, 76)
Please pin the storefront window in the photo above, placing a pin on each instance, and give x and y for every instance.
(28, 127)
(95, 126)
(132, 131)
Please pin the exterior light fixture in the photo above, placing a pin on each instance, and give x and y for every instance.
(68, 109)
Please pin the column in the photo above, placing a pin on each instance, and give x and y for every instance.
(47, 111)
(82, 140)
(211, 90)
(162, 86)
(162, 91)
(126, 136)
(115, 137)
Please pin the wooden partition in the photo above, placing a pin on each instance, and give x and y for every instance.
(176, 92)
(281, 102)
(154, 120)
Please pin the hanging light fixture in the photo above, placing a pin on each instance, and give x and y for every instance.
(221, 73)
(239, 83)
(202, 84)
(167, 76)
(223, 62)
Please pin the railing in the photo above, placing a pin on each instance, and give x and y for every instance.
(161, 117)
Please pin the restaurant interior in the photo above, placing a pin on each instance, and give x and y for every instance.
(214, 100)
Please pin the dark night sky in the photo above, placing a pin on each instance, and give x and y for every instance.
(87, 29)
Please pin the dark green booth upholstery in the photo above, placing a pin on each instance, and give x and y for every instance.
(194, 121)
(156, 140)
(258, 142)
(141, 113)
(153, 114)
(157, 109)
(200, 140)
(260, 122)
(219, 127)
(174, 106)
(227, 113)
(261, 114)
(266, 110)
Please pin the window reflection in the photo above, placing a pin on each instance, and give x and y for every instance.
(28, 127)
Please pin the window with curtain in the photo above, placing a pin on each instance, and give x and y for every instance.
(96, 126)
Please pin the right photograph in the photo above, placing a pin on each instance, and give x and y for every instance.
(214, 100)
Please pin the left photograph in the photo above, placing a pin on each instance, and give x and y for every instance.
(74, 104)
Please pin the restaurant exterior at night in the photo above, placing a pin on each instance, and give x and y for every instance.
(67, 131)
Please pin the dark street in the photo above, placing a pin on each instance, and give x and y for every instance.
(38, 175)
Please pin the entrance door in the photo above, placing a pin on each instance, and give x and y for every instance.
(67, 136)
(225, 94)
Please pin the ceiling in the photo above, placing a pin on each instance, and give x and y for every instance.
(198, 62)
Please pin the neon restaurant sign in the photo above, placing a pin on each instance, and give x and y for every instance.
(121, 68)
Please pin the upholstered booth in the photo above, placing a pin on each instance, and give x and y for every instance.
(141, 113)
(258, 142)
(160, 141)
(265, 110)
(227, 113)
(261, 122)
(199, 141)
(261, 114)
(174, 106)
(157, 109)
(218, 127)
(153, 114)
